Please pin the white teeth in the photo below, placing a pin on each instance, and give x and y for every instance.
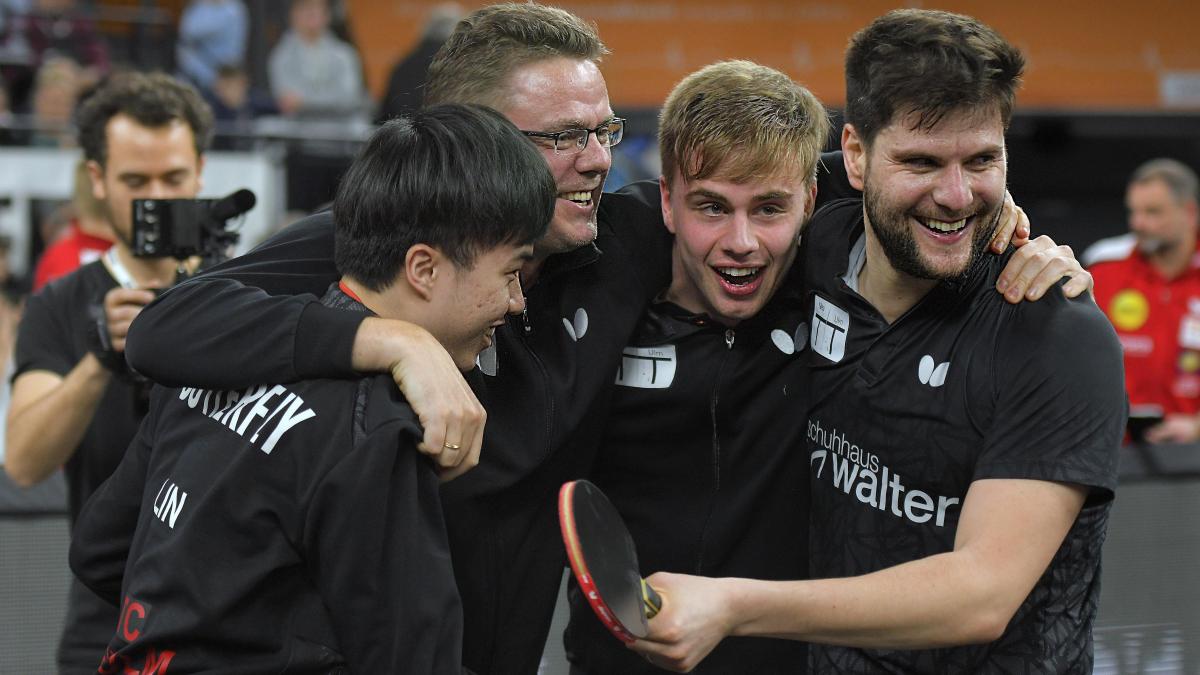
(582, 196)
(942, 226)
(737, 271)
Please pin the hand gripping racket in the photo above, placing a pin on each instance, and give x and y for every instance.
(604, 561)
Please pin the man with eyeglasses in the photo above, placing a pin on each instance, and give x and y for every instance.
(546, 381)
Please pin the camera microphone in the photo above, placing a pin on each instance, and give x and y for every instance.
(232, 205)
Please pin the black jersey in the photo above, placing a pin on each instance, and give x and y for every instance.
(962, 387)
(277, 528)
(53, 336)
(702, 458)
(545, 384)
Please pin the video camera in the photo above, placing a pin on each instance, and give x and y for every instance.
(182, 228)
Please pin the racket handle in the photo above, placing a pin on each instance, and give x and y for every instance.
(651, 600)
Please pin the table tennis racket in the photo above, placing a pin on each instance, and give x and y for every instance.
(604, 560)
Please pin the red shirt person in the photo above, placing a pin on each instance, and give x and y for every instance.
(88, 235)
(1148, 283)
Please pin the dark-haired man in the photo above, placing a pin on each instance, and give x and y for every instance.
(73, 404)
(296, 528)
(960, 480)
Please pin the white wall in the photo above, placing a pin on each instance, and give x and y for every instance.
(27, 174)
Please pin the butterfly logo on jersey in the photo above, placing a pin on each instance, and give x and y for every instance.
(931, 372)
(578, 327)
(790, 344)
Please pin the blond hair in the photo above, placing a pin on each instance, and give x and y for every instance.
(741, 120)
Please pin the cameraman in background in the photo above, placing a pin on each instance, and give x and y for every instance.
(74, 403)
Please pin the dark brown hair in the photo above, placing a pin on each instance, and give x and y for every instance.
(928, 63)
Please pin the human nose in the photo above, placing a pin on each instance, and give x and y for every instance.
(953, 189)
(740, 239)
(516, 296)
(594, 156)
(156, 189)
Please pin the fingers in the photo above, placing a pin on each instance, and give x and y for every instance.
(1012, 227)
(1039, 265)
(449, 412)
(121, 306)
(1005, 226)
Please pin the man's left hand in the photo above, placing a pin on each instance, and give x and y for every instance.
(1037, 266)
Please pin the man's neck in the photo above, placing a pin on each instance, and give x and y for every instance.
(147, 272)
(1174, 261)
(889, 290)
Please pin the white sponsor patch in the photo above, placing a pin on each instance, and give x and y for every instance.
(1189, 332)
(829, 327)
(647, 367)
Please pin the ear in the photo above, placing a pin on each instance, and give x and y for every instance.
(199, 174)
(96, 173)
(811, 204)
(665, 191)
(854, 155)
(422, 269)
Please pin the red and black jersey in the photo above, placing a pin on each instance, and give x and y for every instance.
(903, 417)
(1158, 322)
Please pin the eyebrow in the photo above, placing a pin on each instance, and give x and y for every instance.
(576, 123)
(765, 196)
(140, 174)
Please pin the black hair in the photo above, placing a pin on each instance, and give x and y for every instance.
(152, 99)
(460, 178)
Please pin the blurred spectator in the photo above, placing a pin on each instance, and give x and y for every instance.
(55, 91)
(236, 104)
(1148, 283)
(87, 235)
(212, 34)
(12, 300)
(7, 135)
(407, 81)
(51, 28)
(314, 74)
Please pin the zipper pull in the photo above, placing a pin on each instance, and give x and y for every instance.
(729, 338)
(525, 320)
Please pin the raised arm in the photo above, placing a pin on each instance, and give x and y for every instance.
(53, 397)
(252, 319)
(257, 318)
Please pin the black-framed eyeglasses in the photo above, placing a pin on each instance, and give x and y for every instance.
(573, 141)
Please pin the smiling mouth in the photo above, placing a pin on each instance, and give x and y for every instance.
(942, 226)
(738, 276)
(582, 197)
